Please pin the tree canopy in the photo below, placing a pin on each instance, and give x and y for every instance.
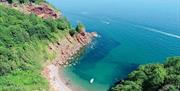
(153, 77)
(80, 28)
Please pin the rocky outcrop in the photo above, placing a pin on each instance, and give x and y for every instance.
(42, 10)
(69, 46)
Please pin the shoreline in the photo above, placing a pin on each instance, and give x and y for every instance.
(57, 82)
(65, 49)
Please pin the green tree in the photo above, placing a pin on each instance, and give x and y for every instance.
(80, 28)
(32, 1)
(52, 24)
(63, 24)
(19, 35)
(39, 31)
(127, 86)
(72, 32)
(10, 1)
(21, 1)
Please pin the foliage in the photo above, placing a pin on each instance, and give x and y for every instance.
(22, 81)
(72, 32)
(10, 1)
(33, 1)
(80, 27)
(23, 44)
(63, 25)
(153, 77)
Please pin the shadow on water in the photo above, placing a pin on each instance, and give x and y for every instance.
(102, 48)
(122, 73)
(124, 68)
(91, 56)
(95, 52)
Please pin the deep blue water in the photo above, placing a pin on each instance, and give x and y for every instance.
(133, 32)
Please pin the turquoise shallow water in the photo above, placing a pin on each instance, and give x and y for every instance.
(132, 33)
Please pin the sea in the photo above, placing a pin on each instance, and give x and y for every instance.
(131, 33)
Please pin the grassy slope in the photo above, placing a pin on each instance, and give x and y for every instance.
(23, 49)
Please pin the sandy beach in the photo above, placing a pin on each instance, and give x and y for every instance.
(55, 80)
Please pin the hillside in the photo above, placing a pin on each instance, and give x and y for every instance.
(23, 45)
(27, 39)
(153, 77)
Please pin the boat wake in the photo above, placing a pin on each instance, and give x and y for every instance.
(158, 31)
(105, 22)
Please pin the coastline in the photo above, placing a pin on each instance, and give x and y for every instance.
(57, 82)
(65, 50)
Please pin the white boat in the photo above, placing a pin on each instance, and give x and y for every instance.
(91, 81)
(106, 22)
